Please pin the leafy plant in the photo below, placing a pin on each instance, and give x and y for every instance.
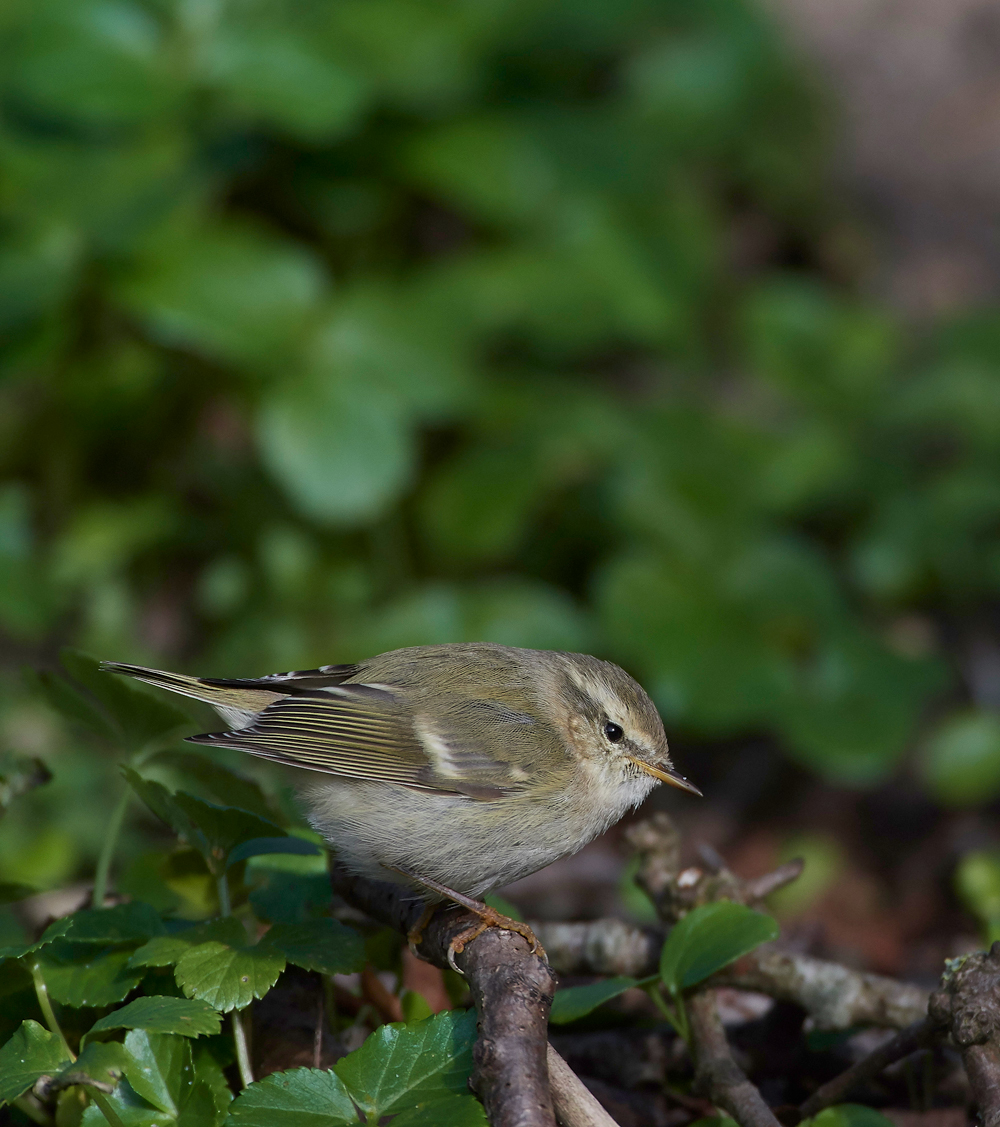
(113, 1030)
(707, 939)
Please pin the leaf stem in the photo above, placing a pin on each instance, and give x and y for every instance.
(107, 1110)
(108, 849)
(225, 904)
(677, 1019)
(33, 1110)
(45, 1005)
(242, 1051)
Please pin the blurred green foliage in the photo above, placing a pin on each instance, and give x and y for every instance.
(330, 327)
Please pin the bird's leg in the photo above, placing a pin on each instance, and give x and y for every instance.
(416, 933)
(488, 917)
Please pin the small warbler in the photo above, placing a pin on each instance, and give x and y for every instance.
(453, 768)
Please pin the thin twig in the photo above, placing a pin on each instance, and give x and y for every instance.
(919, 1035)
(320, 1022)
(717, 1075)
(575, 1105)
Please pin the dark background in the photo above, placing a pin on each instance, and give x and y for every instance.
(665, 331)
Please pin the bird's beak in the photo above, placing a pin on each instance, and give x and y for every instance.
(671, 777)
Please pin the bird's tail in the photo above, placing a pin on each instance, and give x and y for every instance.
(237, 703)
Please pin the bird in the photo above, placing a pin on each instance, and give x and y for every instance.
(454, 769)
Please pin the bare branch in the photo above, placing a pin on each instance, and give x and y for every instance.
(574, 1105)
(909, 1040)
(717, 1075)
(606, 946)
(834, 996)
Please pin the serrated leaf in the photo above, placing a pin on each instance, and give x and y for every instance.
(262, 846)
(138, 715)
(709, 938)
(125, 923)
(225, 827)
(165, 950)
(190, 1017)
(453, 1111)
(212, 830)
(227, 977)
(400, 1066)
(200, 1108)
(72, 704)
(54, 931)
(227, 786)
(32, 1052)
(327, 946)
(78, 975)
(301, 1097)
(156, 796)
(160, 1068)
(575, 1002)
(208, 1071)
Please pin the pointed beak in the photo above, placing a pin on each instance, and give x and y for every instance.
(671, 777)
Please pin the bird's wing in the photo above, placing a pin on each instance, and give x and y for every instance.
(366, 732)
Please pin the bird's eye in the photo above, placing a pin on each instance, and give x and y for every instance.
(613, 731)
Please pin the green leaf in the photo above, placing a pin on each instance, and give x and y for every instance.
(961, 762)
(72, 704)
(575, 1002)
(262, 846)
(302, 1097)
(56, 930)
(212, 830)
(12, 891)
(228, 977)
(189, 1017)
(848, 1115)
(160, 1068)
(165, 950)
(32, 1052)
(709, 938)
(452, 1111)
(138, 716)
(401, 1066)
(80, 975)
(130, 1108)
(327, 946)
(125, 923)
(342, 451)
(226, 786)
(225, 827)
(231, 292)
(105, 1062)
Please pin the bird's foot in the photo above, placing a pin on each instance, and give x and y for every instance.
(490, 917)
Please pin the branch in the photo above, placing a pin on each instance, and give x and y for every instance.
(968, 1004)
(919, 1035)
(575, 1105)
(717, 1075)
(834, 996)
(512, 990)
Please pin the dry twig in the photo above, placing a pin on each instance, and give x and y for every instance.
(919, 1035)
(717, 1075)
